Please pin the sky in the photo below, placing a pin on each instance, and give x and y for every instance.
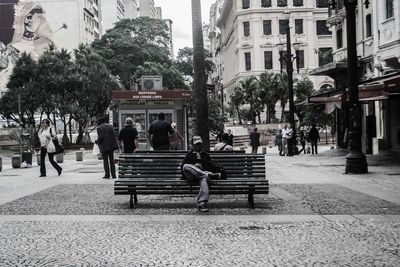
(180, 12)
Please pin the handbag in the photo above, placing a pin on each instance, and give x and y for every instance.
(58, 148)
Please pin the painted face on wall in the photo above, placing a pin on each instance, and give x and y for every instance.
(32, 22)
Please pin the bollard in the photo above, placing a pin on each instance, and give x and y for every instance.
(264, 150)
(1, 164)
(60, 158)
(16, 161)
(308, 150)
(270, 144)
(79, 156)
(82, 150)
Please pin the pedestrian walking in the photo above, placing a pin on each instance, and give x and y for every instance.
(313, 136)
(254, 141)
(158, 134)
(224, 144)
(46, 134)
(284, 140)
(107, 141)
(289, 140)
(230, 137)
(198, 166)
(175, 139)
(302, 139)
(128, 137)
(278, 142)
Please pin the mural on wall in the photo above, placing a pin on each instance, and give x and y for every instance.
(31, 26)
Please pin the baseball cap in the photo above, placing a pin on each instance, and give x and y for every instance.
(197, 139)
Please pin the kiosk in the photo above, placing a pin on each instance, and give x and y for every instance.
(144, 106)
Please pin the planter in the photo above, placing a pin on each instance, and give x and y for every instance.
(1, 164)
(16, 161)
(60, 158)
(79, 156)
(27, 157)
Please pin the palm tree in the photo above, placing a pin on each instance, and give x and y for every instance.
(237, 99)
(283, 94)
(199, 77)
(249, 87)
(268, 84)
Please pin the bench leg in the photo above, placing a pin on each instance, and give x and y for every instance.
(135, 198)
(131, 202)
(250, 199)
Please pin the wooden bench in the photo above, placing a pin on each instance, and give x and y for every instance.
(160, 174)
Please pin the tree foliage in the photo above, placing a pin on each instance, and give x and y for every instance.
(130, 44)
(184, 62)
(172, 77)
(215, 116)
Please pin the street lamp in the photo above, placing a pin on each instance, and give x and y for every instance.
(356, 161)
(288, 58)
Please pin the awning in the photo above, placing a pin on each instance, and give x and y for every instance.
(372, 90)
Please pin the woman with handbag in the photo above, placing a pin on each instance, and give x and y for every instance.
(46, 135)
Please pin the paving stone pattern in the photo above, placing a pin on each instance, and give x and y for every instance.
(180, 243)
(98, 199)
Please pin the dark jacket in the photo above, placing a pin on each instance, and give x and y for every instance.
(128, 135)
(313, 135)
(205, 161)
(255, 139)
(106, 138)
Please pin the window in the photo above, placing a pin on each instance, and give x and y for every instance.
(389, 9)
(282, 26)
(265, 3)
(298, 26)
(324, 55)
(246, 28)
(300, 59)
(267, 29)
(297, 2)
(283, 59)
(245, 4)
(368, 25)
(322, 29)
(282, 3)
(268, 63)
(247, 60)
(339, 38)
(322, 3)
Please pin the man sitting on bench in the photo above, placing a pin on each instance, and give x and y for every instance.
(198, 165)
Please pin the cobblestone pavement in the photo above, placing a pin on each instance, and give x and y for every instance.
(180, 243)
(99, 199)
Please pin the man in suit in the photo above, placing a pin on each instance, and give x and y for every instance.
(254, 141)
(107, 141)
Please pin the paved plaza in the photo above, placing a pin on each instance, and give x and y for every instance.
(315, 215)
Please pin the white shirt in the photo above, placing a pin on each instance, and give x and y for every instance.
(289, 133)
(44, 137)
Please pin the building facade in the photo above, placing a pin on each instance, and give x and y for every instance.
(114, 12)
(378, 51)
(131, 9)
(30, 26)
(147, 9)
(250, 31)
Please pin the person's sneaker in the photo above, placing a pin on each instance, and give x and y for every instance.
(202, 207)
(214, 176)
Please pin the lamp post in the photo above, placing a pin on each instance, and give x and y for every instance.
(292, 148)
(355, 160)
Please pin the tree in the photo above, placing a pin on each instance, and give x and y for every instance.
(215, 116)
(184, 62)
(130, 44)
(249, 87)
(22, 83)
(199, 81)
(172, 77)
(269, 92)
(94, 88)
(303, 90)
(237, 100)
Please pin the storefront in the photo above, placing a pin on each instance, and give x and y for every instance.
(144, 106)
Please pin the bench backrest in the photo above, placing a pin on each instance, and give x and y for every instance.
(168, 166)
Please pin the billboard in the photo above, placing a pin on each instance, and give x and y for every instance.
(32, 25)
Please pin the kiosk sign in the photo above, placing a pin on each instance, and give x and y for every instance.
(151, 95)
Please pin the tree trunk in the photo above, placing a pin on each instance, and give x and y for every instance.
(65, 139)
(199, 77)
(70, 127)
(283, 105)
(80, 134)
